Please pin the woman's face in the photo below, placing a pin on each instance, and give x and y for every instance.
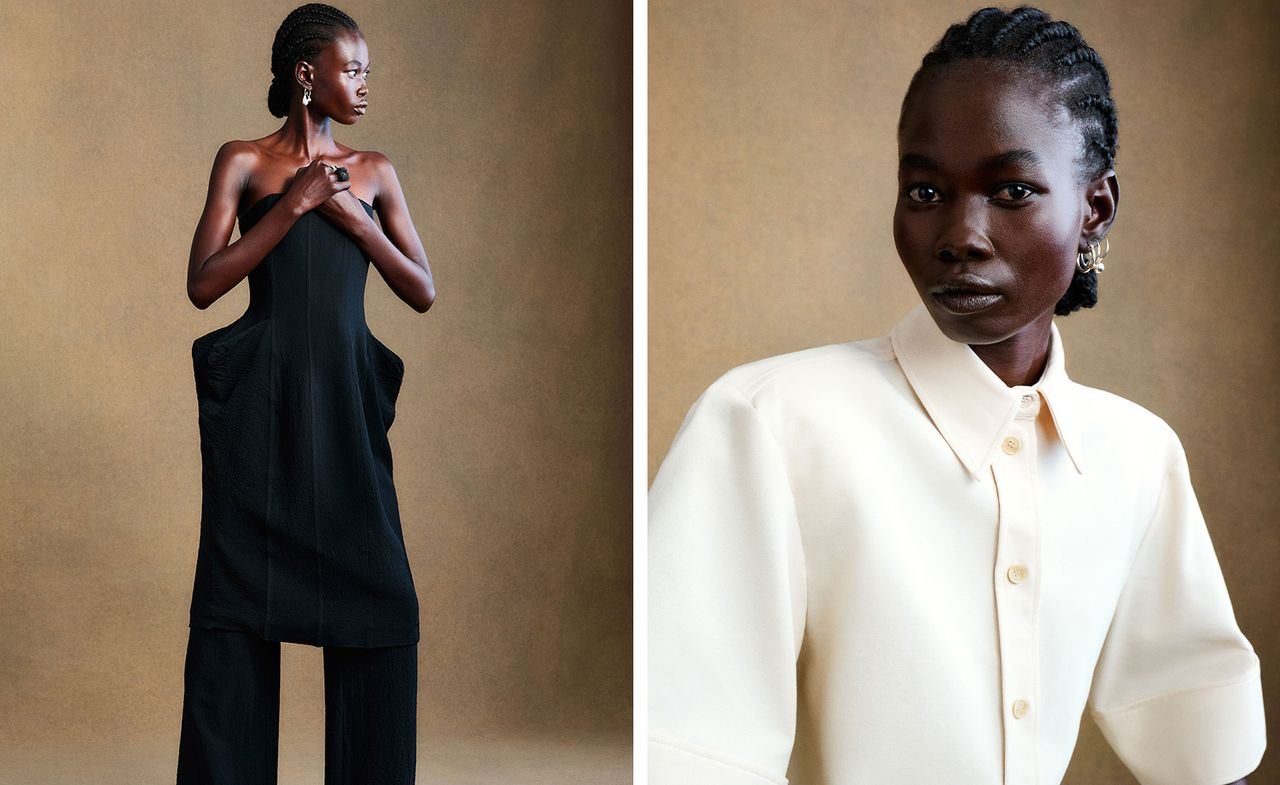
(339, 82)
(990, 214)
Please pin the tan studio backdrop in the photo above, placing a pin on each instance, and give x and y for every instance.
(772, 177)
(509, 124)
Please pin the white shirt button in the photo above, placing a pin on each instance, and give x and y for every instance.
(1011, 445)
(1026, 401)
(1020, 708)
(1017, 573)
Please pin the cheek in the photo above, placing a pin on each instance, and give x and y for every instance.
(909, 237)
(1044, 241)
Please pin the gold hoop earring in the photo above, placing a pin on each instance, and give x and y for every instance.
(306, 96)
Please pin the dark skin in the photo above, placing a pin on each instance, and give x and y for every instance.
(992, 202)
(972, 202)
(298, 161)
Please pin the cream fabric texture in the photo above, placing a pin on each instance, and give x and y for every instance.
(874, 562)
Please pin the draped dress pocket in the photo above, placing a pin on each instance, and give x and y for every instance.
(388, 371)
(225, 363)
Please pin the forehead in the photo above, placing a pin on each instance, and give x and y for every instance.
(972, 110)
(347, 46)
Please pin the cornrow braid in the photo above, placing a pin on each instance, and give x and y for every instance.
(302, 35)
(1031, 42)
(1014, 23)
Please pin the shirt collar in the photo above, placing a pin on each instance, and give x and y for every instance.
(971, 407)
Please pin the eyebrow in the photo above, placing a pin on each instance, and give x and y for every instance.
(1007, 158)
(357, 62)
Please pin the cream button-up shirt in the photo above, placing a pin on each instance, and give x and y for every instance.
(873, 562)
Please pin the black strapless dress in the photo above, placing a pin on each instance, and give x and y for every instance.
(300, 536)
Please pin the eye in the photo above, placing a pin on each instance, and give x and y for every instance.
(1018, 192)
(927, 194)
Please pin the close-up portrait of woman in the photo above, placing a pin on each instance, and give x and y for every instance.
(318, 436)
(961, 470)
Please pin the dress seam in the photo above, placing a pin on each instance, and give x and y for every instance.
(273, 401)
(368, 630)
(311, 437)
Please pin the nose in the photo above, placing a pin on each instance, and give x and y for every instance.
(965, 235)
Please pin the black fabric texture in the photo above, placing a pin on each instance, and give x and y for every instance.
(300, 536)
(231, 712)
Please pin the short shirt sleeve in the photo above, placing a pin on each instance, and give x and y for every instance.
(726, 601)
(1177, 691)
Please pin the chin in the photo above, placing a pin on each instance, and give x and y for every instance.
(990, 325)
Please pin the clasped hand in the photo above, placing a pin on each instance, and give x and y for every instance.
(318, 188)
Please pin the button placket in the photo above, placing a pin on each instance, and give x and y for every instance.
(1015, 583)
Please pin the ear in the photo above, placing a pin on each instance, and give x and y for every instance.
(1101, 198)
(303, 73)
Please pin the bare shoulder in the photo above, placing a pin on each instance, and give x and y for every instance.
(384, 174)
(367, 166)
(238, 148)
(380, 164)
(235, 160)
(351, 157)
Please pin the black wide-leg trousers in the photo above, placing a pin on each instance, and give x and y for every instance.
(231, 712)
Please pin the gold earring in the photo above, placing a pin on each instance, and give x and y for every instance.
(306, 96)
(1092, 259)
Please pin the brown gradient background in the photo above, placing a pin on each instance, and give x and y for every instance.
(509, 123)
(772, 178)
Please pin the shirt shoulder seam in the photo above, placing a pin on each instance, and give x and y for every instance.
(768, 427)
(752, 386)
(781, 453)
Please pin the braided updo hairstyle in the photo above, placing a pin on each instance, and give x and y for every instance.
(301, 36)
(1031, 43)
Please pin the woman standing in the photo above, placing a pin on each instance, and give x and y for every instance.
(300, 537)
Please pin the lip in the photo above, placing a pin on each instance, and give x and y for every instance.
(965, 282)
(965, 294)
(361, 108)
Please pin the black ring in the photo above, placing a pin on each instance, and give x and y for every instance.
(341, 172)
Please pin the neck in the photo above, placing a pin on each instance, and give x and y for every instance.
(303, 136)
(1019, 359)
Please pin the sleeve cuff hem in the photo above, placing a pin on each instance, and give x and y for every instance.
(1207, 736)
(678, 763)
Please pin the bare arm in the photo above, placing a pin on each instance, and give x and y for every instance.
(214, 267)
(396, 249)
